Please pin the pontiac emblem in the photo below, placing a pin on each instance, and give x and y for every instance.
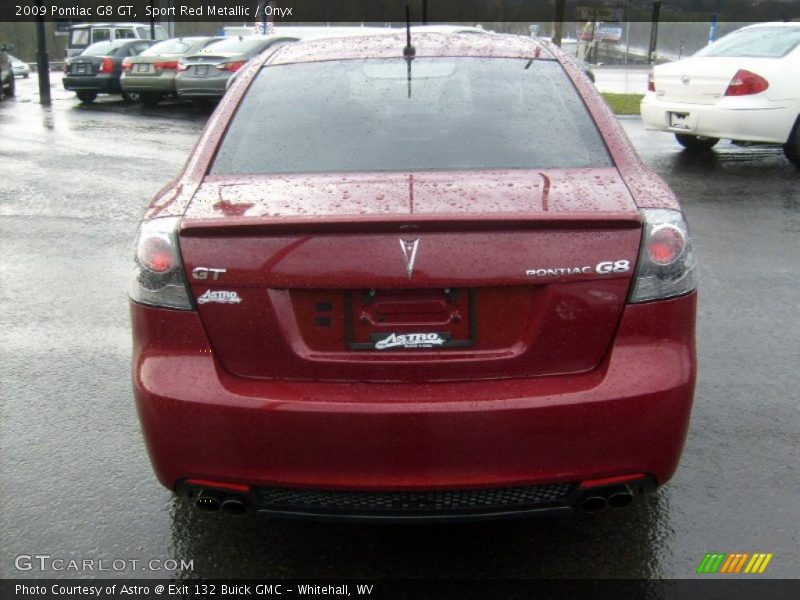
(685, 79)
(409, 248)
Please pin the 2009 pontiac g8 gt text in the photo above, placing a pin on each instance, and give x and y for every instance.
(414, 283)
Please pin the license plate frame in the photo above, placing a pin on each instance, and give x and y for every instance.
(201, 70)
(142, 68)
(679, 120)
(365, 330)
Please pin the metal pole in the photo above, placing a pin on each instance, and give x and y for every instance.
(424, 12)
(558, 22)
(152, 22)
(42, 59)
(628, 32)
(654, 32)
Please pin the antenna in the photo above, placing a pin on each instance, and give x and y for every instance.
(409, 52)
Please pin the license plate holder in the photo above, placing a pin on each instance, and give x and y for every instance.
(679, 121)
(143, 68)
(201, 70)
(410, 320)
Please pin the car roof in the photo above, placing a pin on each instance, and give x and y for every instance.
(773, 24)
(426, 44)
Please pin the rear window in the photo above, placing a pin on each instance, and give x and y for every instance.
(136, 49)
(235, 45)
(144, 33)
(99, 49)
(124, 34)
(761, 42)
(454, 113)
(176, 46)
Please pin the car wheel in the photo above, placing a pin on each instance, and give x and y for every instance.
(696, 142)
(130, 96)
(12, 87)
(86, 97)
(150, 99)
(792, 147)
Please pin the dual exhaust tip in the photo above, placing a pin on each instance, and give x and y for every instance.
(233, 504)
(212, 496)
(595, 502)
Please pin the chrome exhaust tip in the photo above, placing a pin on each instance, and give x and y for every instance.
(620, 499)
(208, 503)
(593, 504)
(234, 506)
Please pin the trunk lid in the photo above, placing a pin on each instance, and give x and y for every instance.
(701, 80)
(411, 277)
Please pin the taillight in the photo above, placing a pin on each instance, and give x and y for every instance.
(745, 83)
(182, 66)
(126, 65)
(106, 65)
(666, 266)
(167, 65)
(66, 67)
(231, 66)
(158, 269)
(157, 254)
(651, 81)
(665, 244)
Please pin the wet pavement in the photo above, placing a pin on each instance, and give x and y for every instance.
(76, 482)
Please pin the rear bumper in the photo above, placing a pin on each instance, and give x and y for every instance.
(555, 500)
(98, 83)
(630, 415)
(731, 118)
(202, 87)
(163, 83)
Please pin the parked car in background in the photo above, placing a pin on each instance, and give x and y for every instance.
(204, 75)
(743, 87)
(84, 35)
(152, 73)
(413, 284)
(7, 83)
(97, 69)
(21, 69)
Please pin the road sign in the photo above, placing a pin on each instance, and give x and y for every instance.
(600, 13)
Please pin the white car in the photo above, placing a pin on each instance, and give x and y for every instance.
(744, 87)
(20, 68)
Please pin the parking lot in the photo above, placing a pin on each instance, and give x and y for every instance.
(76, 481)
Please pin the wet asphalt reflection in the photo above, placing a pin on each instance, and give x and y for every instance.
(76, 482)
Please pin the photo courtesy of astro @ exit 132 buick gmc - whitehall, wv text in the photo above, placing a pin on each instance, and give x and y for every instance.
(414, 283)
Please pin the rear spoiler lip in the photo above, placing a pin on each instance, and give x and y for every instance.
(408, 224)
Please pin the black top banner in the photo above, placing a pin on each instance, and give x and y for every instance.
(384, 11)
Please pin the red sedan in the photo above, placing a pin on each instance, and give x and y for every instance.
(414, 283)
